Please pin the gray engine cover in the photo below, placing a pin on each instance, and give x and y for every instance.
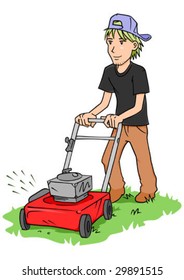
(70, 187)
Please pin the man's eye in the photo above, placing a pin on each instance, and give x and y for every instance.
(121, 42)
(110, 42)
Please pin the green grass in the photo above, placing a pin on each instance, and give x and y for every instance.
(126, 213)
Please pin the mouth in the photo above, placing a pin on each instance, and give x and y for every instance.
(116, 57)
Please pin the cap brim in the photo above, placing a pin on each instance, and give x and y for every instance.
(145, 37)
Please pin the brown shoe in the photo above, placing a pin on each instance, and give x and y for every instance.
(144, 197)
(116, 194)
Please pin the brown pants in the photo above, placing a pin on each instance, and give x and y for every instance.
(137, 136)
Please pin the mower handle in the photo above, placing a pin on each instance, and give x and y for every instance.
(74, 137)
(96, 120)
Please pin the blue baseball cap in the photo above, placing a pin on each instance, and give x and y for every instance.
(128, 24)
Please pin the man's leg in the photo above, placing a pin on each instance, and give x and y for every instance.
(116, 180)
(138, 136)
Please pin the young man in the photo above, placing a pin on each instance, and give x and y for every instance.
(129, 83)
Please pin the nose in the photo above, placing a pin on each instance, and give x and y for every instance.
(112, 49)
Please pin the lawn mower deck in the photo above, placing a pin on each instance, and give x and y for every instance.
(77, 216)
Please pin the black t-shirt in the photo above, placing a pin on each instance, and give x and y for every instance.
(125, 86)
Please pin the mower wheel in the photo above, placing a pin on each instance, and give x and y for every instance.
(85, 226)
(22, 220)
(107, 210)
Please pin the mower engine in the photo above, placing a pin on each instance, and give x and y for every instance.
(70, 187)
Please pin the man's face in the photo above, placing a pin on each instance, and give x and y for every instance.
(120, 51)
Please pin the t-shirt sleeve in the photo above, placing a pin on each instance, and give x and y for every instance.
(140, 82)
(105, 83)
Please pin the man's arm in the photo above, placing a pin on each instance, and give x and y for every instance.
(113, 120)
(82, 119)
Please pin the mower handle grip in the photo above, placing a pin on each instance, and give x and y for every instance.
(96, 120)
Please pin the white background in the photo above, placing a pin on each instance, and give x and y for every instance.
(52, 55)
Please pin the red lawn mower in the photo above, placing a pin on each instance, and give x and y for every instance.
(68, 202)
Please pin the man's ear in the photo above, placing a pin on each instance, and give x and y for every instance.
(135, 45)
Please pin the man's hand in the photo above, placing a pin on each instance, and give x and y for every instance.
(113, 120)
(83, 119)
